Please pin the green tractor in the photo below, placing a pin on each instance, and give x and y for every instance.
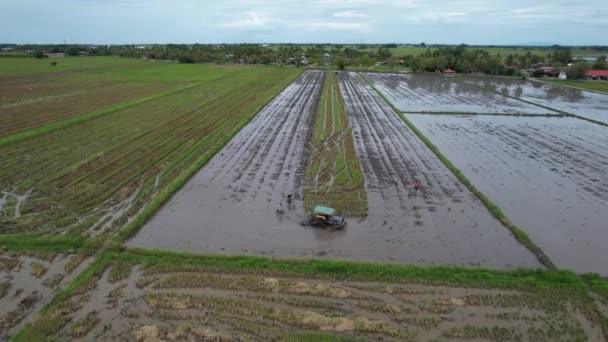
(324, 217)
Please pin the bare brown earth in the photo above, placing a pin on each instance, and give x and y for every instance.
(170, 303)
(582, 103)
(28, 281)
(229, 206)
(439, 94)
(549, 176)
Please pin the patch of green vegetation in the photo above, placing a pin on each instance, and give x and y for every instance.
(38, 270)
(519, 234)
(333, 175)
(599, 86)
(4, 287)
(28, 66)
(121, 161)
(51, 244)
(119, 271)
(11, 139)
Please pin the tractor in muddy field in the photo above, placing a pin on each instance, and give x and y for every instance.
(324, 217)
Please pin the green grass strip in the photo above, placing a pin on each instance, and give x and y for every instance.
(362, 271)
(519, 234)
(600, 87)
(45, 243)
(165, 194)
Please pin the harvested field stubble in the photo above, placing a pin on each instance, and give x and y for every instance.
(92, 177)
(333, 173)
(168, 296)
(28, 281)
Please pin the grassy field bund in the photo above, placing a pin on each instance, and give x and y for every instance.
(333, 176)
(599, 86)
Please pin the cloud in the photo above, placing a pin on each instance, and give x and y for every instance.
(351, 15)
(250, 21)
(333, 26)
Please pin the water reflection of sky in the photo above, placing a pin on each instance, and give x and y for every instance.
(516, 88)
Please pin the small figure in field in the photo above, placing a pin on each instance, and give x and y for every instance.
(288, 199)
(280, 210)
(416, 185)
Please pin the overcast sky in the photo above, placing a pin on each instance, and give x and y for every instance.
(349, 21)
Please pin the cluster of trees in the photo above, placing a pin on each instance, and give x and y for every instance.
(462, 58)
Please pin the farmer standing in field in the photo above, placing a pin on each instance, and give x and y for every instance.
(416, 185)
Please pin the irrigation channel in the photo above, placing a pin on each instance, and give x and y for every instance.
(229, 206)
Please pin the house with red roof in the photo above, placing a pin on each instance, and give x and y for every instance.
(597, 74)
(449, 72)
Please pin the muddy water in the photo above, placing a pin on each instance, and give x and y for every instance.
(442, 222)
(549, 176)
(27, 292)
(574, 101)
(437, 93)
(230, 205)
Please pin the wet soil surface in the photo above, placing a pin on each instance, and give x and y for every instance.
(573, 101)
(426, 93)
(549, 176)
(160, 303)
(230, 205)
(29, 281)
(441, 221)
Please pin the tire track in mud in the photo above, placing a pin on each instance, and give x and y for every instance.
(548, 175)
(442, 222)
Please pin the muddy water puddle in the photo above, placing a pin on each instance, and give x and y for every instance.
(586, 104)
(549, 176)
(230, 205)
(436, 93)
(171, 304)
(30, 281)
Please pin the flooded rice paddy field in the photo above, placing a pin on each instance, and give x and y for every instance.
(582, 103)
(158, 303)
(549, 176)
(430, 93)
(28, 281)
(230, 205)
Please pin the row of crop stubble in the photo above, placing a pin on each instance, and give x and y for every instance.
(333, 176)
(93, 176)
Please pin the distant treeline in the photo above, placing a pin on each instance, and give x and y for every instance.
(460, 58)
